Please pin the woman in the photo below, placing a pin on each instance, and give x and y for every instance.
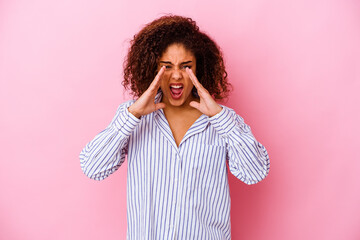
(176, 137)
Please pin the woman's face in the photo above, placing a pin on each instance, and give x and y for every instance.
(176, 84)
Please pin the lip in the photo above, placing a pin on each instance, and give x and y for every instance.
(178, 85)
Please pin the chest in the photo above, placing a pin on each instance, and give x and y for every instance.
(152, 148)
(180, 124)
(162, 133)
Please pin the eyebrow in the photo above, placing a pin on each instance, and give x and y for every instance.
(168, 62)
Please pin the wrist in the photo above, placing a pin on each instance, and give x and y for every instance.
(217, 111)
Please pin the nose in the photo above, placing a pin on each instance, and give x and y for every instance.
(176, 74)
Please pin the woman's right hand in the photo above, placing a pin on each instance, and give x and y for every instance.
(146, 102)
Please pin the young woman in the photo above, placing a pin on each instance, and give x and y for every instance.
(177, 138)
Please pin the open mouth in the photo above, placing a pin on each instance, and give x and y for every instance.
(176, 90)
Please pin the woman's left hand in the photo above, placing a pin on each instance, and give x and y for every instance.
(207, 104)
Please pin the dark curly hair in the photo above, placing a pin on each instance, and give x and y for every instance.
(141, 63)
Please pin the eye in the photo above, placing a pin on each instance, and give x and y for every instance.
(186, 66)
(167, 66)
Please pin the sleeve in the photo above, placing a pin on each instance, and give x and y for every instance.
(248, 159)
(106, 152)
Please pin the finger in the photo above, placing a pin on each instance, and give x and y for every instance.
(193, 78)
(201, 90)
(156, 82)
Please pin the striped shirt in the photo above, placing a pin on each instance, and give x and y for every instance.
(177, 192)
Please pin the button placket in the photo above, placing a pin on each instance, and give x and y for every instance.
(174, 178)
(177, 185)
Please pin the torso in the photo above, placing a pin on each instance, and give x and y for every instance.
(180, 122)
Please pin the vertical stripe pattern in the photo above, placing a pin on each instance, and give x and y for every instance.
(177, 192)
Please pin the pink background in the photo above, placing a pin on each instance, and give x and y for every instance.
(295, 67)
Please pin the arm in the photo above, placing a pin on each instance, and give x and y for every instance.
(106, 152)
(248, 159)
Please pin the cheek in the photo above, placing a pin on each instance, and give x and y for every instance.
(162, 86)
(163, 83)
(166, 74)
(189, 82)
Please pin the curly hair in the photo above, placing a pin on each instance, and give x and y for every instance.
(141, 63)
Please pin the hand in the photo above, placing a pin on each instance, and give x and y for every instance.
(145, 103)
(207, 104)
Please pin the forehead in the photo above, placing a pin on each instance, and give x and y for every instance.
(177, 51)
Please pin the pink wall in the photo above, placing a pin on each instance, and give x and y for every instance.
(295, 66)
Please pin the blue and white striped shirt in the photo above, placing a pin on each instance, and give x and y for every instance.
(177, 192)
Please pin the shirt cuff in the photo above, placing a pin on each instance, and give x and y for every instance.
(223, 122)
(126, 122)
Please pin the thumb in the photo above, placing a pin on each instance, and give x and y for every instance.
(159, 106)
(195, 104)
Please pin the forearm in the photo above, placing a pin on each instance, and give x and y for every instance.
(106, 152)
(248, 159)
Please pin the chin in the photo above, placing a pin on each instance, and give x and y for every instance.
(176, 102)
